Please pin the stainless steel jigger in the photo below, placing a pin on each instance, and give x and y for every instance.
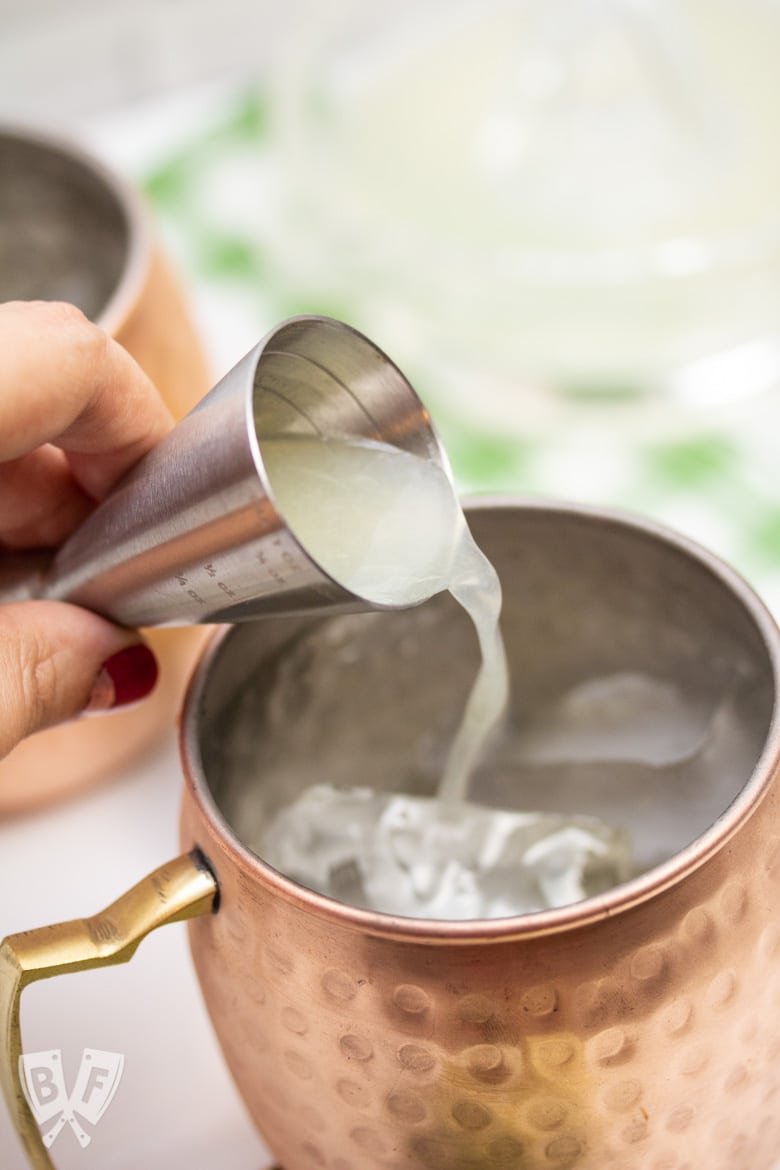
(192, 534)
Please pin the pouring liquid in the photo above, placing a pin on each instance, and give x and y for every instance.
(387, 525)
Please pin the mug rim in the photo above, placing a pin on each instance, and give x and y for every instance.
(647, 885)
(137, 258)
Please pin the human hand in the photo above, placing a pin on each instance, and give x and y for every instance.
(76, 412)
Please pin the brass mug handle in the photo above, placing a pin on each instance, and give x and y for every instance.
(184, 888)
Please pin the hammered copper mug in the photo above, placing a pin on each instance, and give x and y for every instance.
(638, 1029)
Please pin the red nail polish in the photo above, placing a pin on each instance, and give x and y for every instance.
(125, 677)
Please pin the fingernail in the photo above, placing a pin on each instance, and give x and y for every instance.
(125, 677)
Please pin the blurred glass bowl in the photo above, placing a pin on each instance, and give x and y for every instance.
(585, 196)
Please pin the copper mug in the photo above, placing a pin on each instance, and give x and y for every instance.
(71, 229)
(637, 1029)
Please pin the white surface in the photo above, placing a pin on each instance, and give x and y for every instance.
(176, 1107)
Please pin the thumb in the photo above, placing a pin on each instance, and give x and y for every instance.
(58, 661)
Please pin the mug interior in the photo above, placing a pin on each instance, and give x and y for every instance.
(599, 612)
(65, 233)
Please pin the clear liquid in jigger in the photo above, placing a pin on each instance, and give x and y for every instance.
(387, 525)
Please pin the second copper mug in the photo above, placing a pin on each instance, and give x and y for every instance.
(638, 1029)
(71, 229)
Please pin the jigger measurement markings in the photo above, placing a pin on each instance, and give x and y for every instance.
(269, 568)
(193, 593)
(212, 574)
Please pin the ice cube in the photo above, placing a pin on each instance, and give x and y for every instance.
(424, 858)
(622, 716)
